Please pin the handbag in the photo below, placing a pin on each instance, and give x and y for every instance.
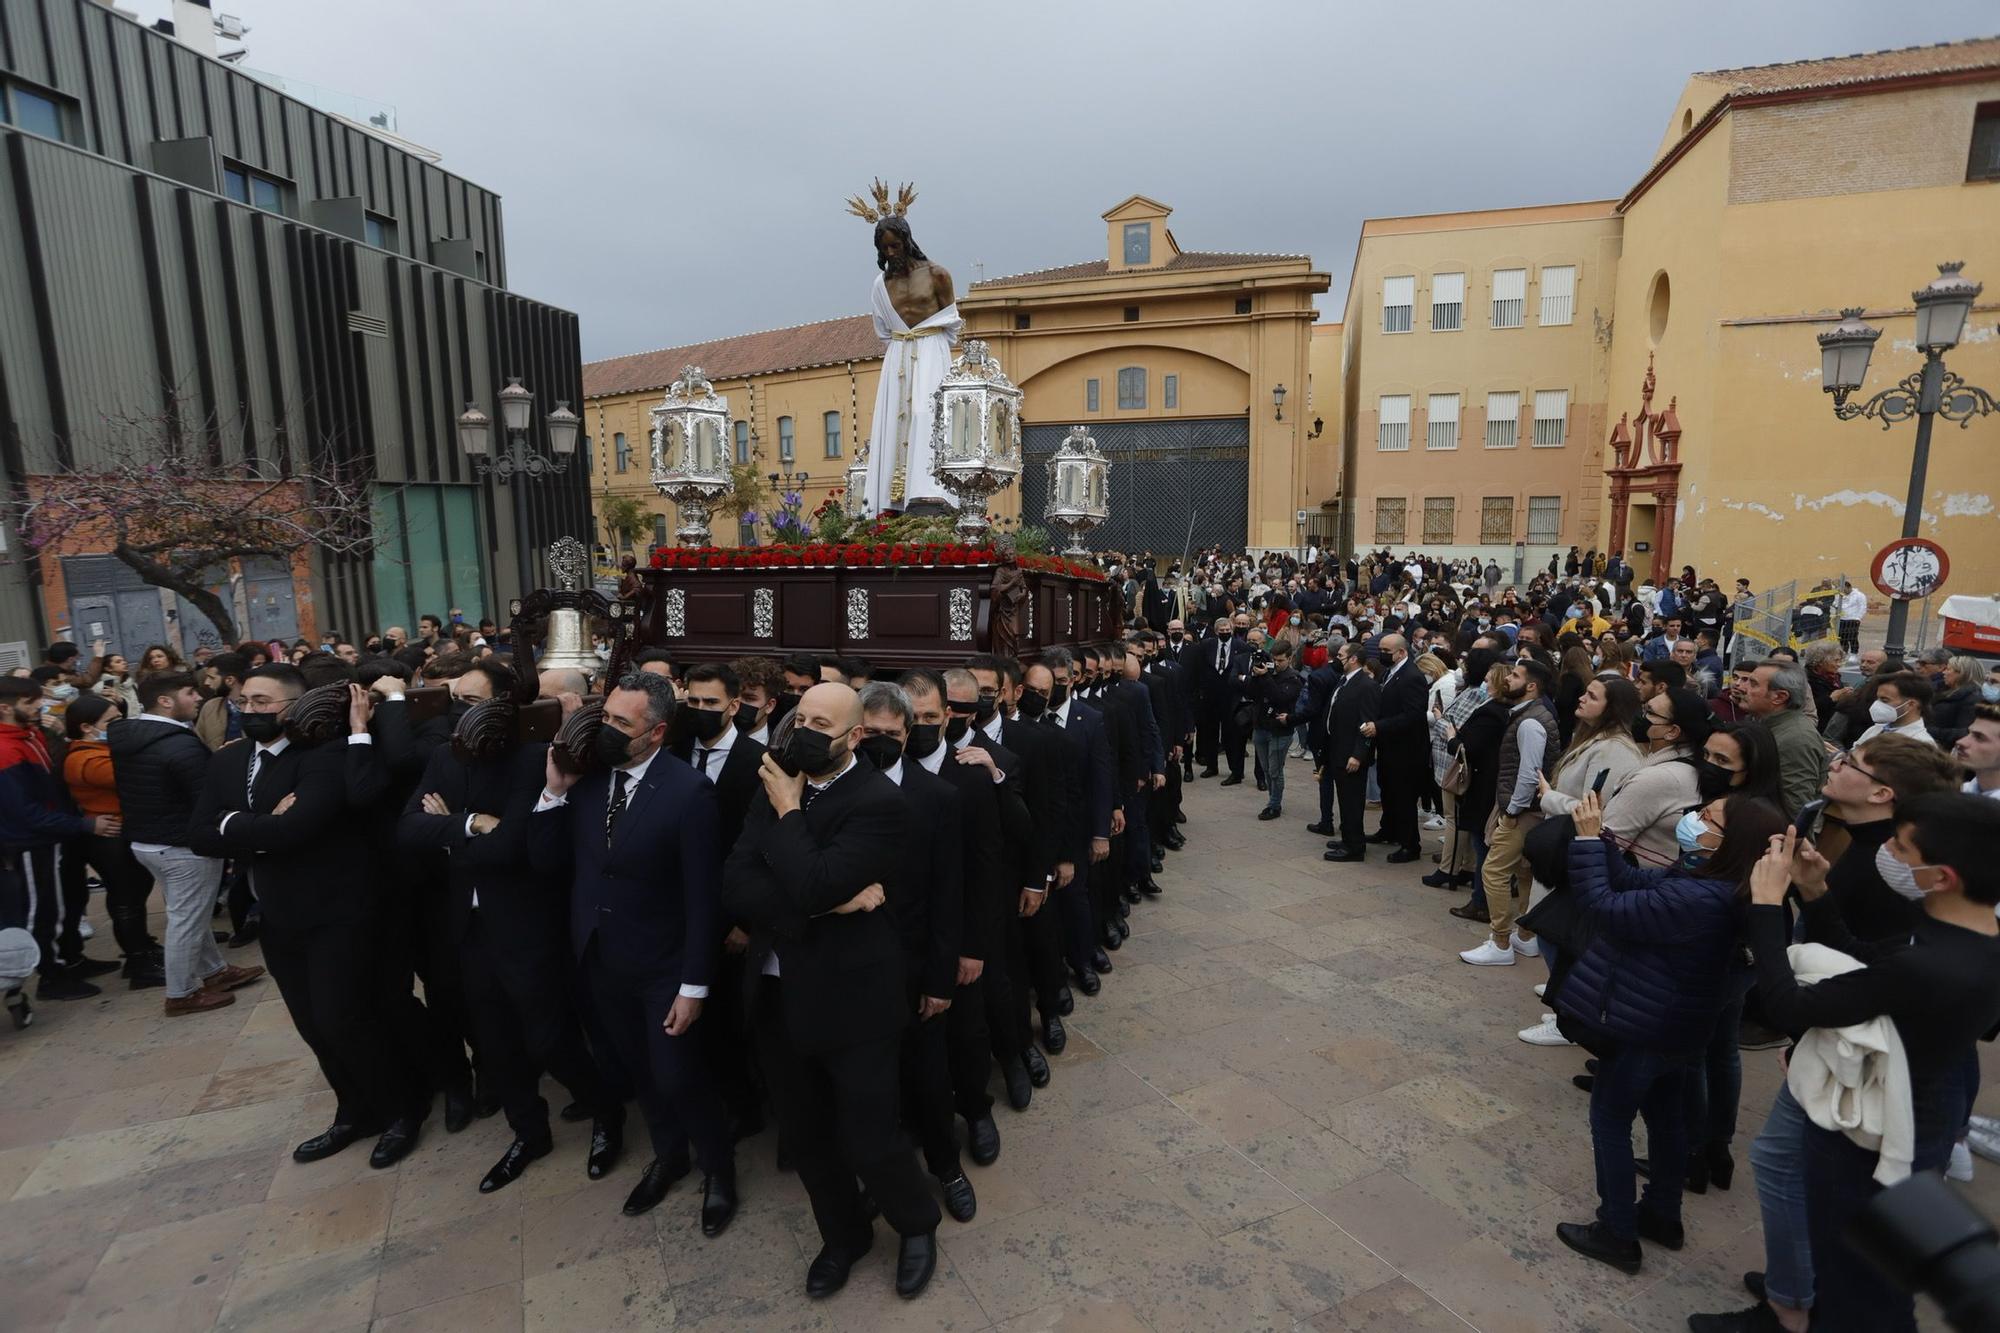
(1457, 776)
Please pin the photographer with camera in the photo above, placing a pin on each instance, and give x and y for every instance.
(1274, 687)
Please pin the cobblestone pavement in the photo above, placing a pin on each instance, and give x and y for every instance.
(1291, 1107)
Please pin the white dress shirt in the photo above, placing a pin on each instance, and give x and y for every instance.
(718, 754)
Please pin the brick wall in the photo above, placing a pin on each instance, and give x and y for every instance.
(1848, 145)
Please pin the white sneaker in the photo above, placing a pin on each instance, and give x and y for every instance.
(1544, 1033)
(1488, 954)
(1541, 989)
(1433, 821)
(1527, 948)
(84, 928)
(1984, 1143)
(1960, 1167)
(1985, 1124)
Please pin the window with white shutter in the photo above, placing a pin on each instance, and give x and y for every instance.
(1393, 416)
(1503, 420)
(1399, 295)
(1441, 421)
(1447, 302)
(1558, 294)
(1510, 290)
(1551, 417)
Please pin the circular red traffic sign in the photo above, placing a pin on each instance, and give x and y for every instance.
(1909, 568)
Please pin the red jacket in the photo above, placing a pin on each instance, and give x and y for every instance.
(34, 808)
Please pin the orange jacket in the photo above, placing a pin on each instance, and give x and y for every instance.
(87, 770)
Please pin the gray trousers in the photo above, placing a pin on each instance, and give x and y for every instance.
(188, 884)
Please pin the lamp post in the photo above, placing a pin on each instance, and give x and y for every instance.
(690, 464)
(1278, 401)
(1943, 306)
(517, 413)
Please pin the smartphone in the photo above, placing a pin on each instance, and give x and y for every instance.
(1602, 775)
(1809, 814)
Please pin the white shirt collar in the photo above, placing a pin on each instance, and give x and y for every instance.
(844, 771)
(1062, 714)
(894, 772)
(161, 717)
(934, 761)
(762, 735)
(993, 725)
(637, 771)
(276, 747)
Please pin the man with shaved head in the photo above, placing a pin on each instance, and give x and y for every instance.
(807, 877)
(1401, 732)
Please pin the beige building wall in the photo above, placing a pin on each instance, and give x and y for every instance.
(1481, 493)
(1766, 222)
(1324, 421)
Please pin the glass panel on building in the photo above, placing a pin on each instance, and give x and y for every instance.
(623, 449)
(833, 434)
(266, 194)
(1132, 387)
(1390, 513)
(659, 529)
(1170, 391)
(1138, 242)
(742, 441)
(785, 441)
(236, 185)
(35, 113)
(1090, 396)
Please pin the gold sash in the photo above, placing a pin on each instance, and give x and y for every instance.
(910, 335)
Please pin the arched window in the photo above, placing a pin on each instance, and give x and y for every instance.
(1132, 387)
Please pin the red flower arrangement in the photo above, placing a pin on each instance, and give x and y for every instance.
(859, 555)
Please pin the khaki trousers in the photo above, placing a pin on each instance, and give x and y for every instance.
(1506, 874)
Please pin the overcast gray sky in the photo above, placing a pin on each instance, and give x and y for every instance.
(674, 171)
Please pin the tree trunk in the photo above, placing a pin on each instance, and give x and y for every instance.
(164, 576)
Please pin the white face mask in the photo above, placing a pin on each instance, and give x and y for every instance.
(1899, 877)
(1882, 711)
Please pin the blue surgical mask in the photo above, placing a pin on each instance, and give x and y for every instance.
(1990, 692)
(1688, 833)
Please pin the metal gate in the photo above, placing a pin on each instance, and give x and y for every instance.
(1163, 473)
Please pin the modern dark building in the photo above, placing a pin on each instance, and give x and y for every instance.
(182, 242)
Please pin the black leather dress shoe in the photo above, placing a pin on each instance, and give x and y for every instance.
(396, 1142)
(1109, 939)
(1343, 854)
(1209, 772)
(658, 1177)
(1129, 895)
(1233, 780)
(1378, 837)
(915, 1262)
(1324, 829)
(718, 1202)
(1100, 962)
(1151, 889)
(1403, 856)
(982, 1139)
(574, 1112)
(1173, 839)
(1263, 785)
(1065, 1002)
(1159, 862)
(1038, 1067)
(959, 1199)
(829, 1269)
(1268, 813)
(1020, 1088)
(1593, 1242)
(95, 967)
(1054, 1038)
(512, 1163)
(485, 1102)
(457, 1111)
(1123, 926)
(1660, 1231)
(1087, 982)
(607, 1141)
(326, 1144)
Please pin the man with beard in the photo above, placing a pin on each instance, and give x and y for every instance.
(808, 876)
(982, 915)
(929, 894)
(475, 801)
(916, 317)
(638, 837)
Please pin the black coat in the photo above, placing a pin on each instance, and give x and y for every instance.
(928, 883)
(1354, 701)
(1479, 741)
(987, 878)
(159, 768)
(1052, 788)
(1402, 727)
(521, 906)
(735, 786)
(842, 972)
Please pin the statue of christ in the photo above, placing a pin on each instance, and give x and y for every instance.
(916, 317)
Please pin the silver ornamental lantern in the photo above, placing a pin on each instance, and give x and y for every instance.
(856, 498)
(1079, 489)
(690, 460)
(568, 638)
(976, 441)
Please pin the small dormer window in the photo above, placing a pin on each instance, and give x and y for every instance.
(1138, 243)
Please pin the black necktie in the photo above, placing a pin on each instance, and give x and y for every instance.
(701, 759)
(1221, 654)
(620, 782)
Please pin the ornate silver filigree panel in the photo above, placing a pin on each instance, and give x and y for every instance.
(1031, 617)
(675, 613)
(857, 613)
(763, 613)
(959, 610)
(568, 563)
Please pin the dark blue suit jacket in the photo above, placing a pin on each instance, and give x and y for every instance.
(652, 898)
(1100, 776)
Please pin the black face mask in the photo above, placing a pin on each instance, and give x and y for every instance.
(1033, 704)
(263, 728)
(1058, 696)
(988, 705)
(1714, 780)
(705, 724)
(810, 752)
(925, 737)
(954, 730)
(881, 751)
(1642, 730)
(1175, 637)
(612, 746)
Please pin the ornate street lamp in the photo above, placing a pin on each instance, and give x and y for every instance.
(1278, 401)
(1943, 306)
(976, 441)
(517, 414)
(690, 464)
(1079, 489)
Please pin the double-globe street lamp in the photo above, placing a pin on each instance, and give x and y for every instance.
(1943, 307)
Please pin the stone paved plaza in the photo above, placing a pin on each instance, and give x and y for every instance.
(1291, 1107)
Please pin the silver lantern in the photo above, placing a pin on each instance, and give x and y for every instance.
(690, 458)
(856, 498)
(976, 441)
(1079, 489)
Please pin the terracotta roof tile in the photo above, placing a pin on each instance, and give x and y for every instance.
(827, 342)
(1097, 268)
(1867, 67)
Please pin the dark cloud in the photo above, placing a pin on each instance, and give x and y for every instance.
(674, 171)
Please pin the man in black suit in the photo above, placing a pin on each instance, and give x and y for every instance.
(1126, 680)
(1159, 674)
(475, 801)
(638, 837)
(1211, 661)
(1314, 695)
(292, 812)
(1401, 733)
(1089, 753)
(928, 887)
(809, 874)
(708, 738)
(1184, 647)
(1236, 712)
(1346, 749)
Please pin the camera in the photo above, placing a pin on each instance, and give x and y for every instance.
(1928, 1240)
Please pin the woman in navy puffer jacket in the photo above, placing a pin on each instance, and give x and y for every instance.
(1645, 993)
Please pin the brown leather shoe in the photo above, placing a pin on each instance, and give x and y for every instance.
(229, 977)
(200, 1002)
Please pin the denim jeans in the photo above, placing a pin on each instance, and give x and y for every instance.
(1647, 1084)
(1778, 1155)
(1715, 1085)
(1272, 749)
(1478, 902)
(1840, 1181)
